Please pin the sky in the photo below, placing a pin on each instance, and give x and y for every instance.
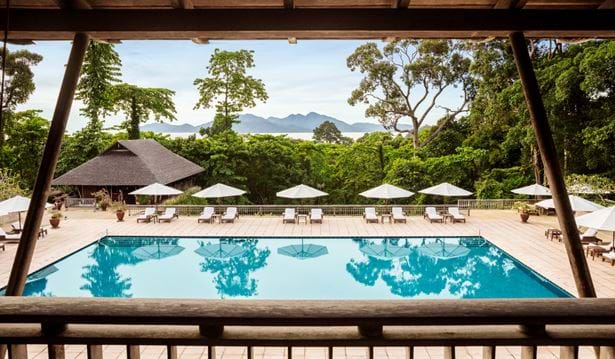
(310, 76)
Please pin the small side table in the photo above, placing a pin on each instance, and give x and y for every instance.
(388, 216)
(447, 216)
(302, 217)
(216, 217)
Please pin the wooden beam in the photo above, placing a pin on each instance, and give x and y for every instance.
(510, 4)
(29, 234)
(289, 4)
(542, 132)
(73, 4)
(307, 23)
(607, 4)
(401, 4)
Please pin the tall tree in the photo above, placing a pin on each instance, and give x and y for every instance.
(327, 132)
(139, 104)
(101, 70)
(407, 79)
(228, 88)
(18, 82)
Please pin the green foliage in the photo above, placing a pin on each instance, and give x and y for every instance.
(82, 146)
(139, 104)
(186, 198)
(101, 70)
(9, 184)
(229, 89)
(406, 79)
(327, 132)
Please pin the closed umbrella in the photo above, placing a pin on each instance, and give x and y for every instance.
(156, 189)
(386, 191)
(603, 219)
(17, 205)
(219, 190)
(446, 189)
(301, 192)
(533, 190)
(578, 204)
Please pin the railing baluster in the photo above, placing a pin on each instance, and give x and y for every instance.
(171, 352)
(95, 352)
(133, 352)
(529, 352)
(329, 352)
(18, 351)
(250, 352)
(569, 352)
(409, 352)
(489, 352)
(449, 352)
(607, 352)
(370, 352)
(55, 351)
(211, 352)
(289, 353)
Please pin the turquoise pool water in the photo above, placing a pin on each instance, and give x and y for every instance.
(291, 268)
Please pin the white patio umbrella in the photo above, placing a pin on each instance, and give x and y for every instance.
(603, 219)
(585, 189)
(386, 191)
(578, 204)
(156, 189)
(219, 190)
(300, 192)
(533, 190)
(17, 205)
(446, 189)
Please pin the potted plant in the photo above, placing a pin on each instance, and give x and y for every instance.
(54, 220)
(120, 210)
(102, 199)
(524, 210)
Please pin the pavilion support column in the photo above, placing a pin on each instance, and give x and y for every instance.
(542, 131)
(30, 230)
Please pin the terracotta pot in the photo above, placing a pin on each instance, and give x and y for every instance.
(120, 215)
(524, 217)
(55, 222)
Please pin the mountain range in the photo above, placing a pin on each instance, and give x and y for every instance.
(249, 123)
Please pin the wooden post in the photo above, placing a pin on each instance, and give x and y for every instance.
(542, 131)
(27, 244)
(30, 229)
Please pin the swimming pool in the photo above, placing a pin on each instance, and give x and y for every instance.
(291, 268)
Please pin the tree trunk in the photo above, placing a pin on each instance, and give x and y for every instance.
(537, 165)
(133, 126)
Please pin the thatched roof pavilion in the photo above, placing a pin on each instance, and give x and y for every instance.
(131, 163)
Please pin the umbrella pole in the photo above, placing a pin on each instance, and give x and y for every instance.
(19, 215)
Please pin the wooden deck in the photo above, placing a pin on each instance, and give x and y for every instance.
(526, 242)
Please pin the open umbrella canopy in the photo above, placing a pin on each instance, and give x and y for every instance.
(386, 191)
(385, 250)
(220, 251)
(17, 204)
(578, 204)
(303, 251)
(157, 251)
(301, 191)
(443, 250)
(533, 190)
(603, 219)
(581, 188)
(446, 189)
(156, 189)
(219, 190)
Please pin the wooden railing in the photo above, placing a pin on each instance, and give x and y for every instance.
(80, 202)
(250, 323)
(506, 203)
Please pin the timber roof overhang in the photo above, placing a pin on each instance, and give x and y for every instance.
(203, 20)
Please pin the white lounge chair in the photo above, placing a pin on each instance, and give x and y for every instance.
(590, 236)
(9, 237)
(398, 215)
(457, 217)
(432, 215)
(610, 256)
(370, 215)
(289, 216)
(207, 215)
(230, 215)
(168, 215)
(147, 215)
(316, 215)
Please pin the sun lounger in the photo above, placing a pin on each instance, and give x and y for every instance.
(457, 217)
(168, 215)
(398, 215)
(595, 249)
(590, 236)
(370, 215)
(289, 216)
(207, 215)
(432, 215)
(230, 215)
(147, 215)
(610, 256)
(16, 226)
(9, 237)
(316, 215)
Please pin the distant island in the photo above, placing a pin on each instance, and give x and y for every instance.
(249, 123)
